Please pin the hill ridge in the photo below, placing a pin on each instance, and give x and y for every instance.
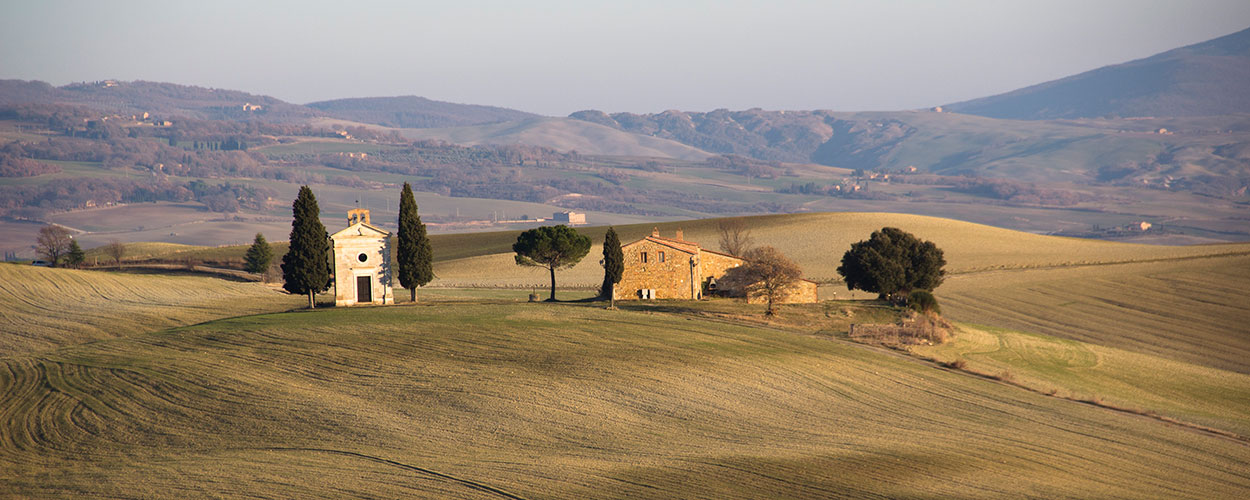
(410, 111)
(1202, 79)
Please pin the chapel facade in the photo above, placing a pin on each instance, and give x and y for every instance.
(362, 262)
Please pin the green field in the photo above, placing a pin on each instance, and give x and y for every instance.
(559, 401)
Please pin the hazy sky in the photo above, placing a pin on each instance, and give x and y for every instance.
(556, 57)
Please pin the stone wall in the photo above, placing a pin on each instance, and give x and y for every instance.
(803, 292)
(670, 279)
(714, 265)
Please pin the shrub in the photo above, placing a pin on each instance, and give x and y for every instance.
(923, 301)
(957, 364)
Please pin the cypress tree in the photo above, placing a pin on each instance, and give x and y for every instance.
(306, 266)
(416, 258)
(613, 266)
(258, 256)
(75, 256)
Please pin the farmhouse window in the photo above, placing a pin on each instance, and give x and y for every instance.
(644, 257)
(661, 256)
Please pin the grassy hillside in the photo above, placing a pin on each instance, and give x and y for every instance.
(1192, 310)
(558, 401)
(1104, 375)
(1180, 303)
(817, 242)
(43, 308)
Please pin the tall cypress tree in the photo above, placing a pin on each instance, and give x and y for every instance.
(613, 266)
(416, 258)
(306, 266)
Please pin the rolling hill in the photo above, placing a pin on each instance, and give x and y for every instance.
(495, 400)
(565, 135)
(416, 112)
(1063, 287)
(1069, 288)
(1122, 374)
(47, 308)
(1207, 78)
(165, 100)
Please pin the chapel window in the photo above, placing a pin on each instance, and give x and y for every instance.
(661, 256)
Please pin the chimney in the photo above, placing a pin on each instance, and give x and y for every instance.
(655, 231)
(680, 235)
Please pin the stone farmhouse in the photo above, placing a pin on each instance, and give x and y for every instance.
(673, 268)
(362, 262)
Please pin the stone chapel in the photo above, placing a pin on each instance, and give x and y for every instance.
(362, 262)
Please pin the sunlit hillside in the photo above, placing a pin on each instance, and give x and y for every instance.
(559, 401)
(42, 308)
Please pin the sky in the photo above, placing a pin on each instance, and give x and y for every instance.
(557, 57)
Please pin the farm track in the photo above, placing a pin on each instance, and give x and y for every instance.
(557, 401)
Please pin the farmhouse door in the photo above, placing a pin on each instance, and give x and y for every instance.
(364, 289)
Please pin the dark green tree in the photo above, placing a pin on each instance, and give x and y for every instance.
(613, 266)
(259, 256)
(306, 266)
(552, 247)
(415, 256)
(892, 262)
(75, 256)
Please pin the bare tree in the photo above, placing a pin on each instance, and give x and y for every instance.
(768, 274)
(116, 250)
(735, 238)
(53, 242)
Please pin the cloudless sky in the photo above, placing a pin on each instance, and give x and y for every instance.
(556, 57)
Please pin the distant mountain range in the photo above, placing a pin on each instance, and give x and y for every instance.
(169, 100)
(1208, 78)
(1085, 128)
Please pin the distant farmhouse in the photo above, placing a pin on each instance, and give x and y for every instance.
(673, 268)
(362, 262)
(570, 218)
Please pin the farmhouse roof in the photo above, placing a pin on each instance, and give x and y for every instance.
(688, 247)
